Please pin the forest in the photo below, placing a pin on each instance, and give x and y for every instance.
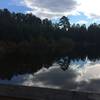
(28, 43)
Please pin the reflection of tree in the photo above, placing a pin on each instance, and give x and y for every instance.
(27, 43)
(64, 63)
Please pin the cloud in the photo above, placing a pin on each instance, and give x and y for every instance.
(50, 8)
(89, 8)
(93, 15)
(82, 22)
(56, 8)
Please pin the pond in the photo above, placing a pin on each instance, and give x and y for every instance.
(81, 75)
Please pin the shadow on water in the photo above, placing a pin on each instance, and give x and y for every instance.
(13, 62)
(13, 65)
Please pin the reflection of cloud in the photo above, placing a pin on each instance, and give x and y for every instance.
(57, 77)
(93, 85)
(82, 76)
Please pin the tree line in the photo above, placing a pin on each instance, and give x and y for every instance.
(28, 42)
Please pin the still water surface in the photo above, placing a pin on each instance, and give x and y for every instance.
(81, 75)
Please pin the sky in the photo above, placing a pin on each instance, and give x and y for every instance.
(78, 11)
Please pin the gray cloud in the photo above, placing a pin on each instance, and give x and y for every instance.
(56, 5)
(95, 16)
(50, 8)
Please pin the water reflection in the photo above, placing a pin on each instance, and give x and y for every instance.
(64, 63)
(81, 75)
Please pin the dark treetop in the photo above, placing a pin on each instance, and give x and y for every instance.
(27, 43)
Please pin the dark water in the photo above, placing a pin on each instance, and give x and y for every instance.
(81, 75)
(11, 66)
(79, 70)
